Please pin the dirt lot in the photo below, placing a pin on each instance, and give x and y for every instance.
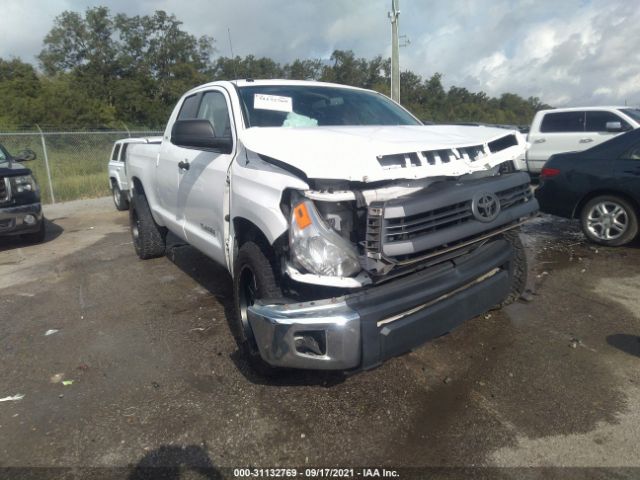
(156, 380)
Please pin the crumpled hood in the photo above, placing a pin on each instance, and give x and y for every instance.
(369, 154)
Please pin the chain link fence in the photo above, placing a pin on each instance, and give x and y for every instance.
(69, 165)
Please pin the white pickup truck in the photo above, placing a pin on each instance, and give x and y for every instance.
(352, 232)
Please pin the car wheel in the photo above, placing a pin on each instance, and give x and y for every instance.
(119, 197)
(149, 238)
(517, 268)
(36, 237)
(253, 280)
(609, 220)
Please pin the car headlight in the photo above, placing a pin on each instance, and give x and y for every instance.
(23, 183)
(318, 248)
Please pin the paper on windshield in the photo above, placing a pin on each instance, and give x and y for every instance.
(272, 102)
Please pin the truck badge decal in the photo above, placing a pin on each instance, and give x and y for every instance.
(485, 206)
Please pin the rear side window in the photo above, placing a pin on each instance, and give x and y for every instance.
(116, 152)
(597, 121)
(214, 108)
(563, 122)
(123, 154)
(189, 107)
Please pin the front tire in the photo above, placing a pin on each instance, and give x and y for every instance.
(119, 197)
(149, 238)
(253, 280)
(517, 268)
(609, 220)
(36, 237)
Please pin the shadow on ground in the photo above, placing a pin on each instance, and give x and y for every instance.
(627, 343)
(174, 463)
(16, 241)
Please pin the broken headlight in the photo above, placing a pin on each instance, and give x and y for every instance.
(318, 248)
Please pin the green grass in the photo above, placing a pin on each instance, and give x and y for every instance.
(79, 163)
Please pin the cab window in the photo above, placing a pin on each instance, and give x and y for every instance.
(116, 152)
(213, 107)
(597, 121)
(563, 122)
(189, 107)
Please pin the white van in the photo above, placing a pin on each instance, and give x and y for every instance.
(575, 129)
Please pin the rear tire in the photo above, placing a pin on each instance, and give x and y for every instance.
(609, 220)
(517, 268)
(253, 280)
(119, 197)
(149, 238)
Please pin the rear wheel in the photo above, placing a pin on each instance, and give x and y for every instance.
(149, 238)
(253, 280)
(609, 220)
(119, 197)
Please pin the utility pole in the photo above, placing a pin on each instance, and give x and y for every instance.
(395, 51)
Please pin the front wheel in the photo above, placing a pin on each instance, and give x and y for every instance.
(517, 268)
(253, 280)
(609, 220)
(36, 237)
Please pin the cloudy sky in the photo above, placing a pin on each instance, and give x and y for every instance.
(567, 52)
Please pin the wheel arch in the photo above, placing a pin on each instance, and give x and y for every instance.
(598, 193)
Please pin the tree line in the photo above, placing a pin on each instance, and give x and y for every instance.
(100, 70)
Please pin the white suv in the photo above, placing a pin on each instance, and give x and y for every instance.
(575, 129)
(118, 169)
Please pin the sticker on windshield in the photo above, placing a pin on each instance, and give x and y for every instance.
(272, 102)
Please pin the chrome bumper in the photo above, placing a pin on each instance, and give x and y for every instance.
(279, 329)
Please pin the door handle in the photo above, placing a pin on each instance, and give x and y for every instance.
(184, 165)
(586, 140)
(540, 140)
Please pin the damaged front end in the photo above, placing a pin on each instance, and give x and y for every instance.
(372, 269)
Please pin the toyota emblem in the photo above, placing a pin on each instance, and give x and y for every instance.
(485, 206)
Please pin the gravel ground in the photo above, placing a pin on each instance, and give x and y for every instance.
(125, 363)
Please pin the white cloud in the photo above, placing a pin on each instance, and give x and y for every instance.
(565, 52)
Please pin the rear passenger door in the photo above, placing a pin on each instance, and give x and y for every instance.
(628, 172)
(559, 132)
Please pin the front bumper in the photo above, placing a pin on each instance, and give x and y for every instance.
(12, 219)
(361, 330)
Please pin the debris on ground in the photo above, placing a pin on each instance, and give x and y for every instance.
(51, 332)
(14, 398)
(447, 380)
(155, 385)
(67, 383)
(57, 378)
(575, 342)
(527, 296)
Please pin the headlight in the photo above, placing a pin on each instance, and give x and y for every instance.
(318, 248)
(23, 183)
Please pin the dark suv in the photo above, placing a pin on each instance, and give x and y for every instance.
(20, 208)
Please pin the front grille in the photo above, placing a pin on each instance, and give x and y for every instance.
(4, 189)
(7, 223)
(442, 216)
(405, 228)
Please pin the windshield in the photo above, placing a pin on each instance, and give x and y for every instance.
(310, 106)
(632, 112)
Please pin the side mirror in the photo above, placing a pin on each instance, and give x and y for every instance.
(614, 126)
(25, 156)
(199, 134)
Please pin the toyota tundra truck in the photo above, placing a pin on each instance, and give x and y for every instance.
(352, 232)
